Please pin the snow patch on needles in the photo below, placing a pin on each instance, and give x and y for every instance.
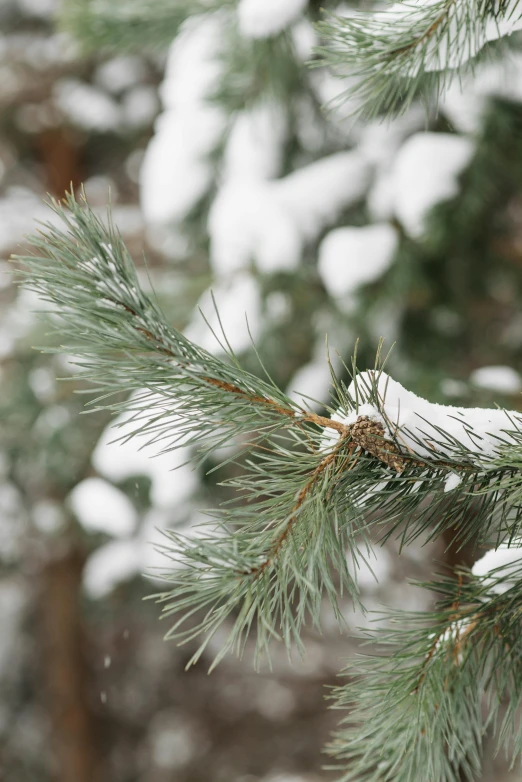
(110, 565)
(452, 481)
(499, 563)
(427, 429)
(425, 172)
(466, 99)
(499, 378)
(266, 18)
(172, 480)
(86, 106)
(176, 169)
(350, 257)
(269, 223)
(254, 146)
(459, 44)
(101, 507)
(236, 300)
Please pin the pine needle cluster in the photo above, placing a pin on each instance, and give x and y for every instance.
(310, 488)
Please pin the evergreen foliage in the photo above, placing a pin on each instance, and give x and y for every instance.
(311, 487)
(269, 560)
(409, 47)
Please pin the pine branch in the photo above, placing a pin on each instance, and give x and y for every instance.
(308, 484)
(411, 49)
(416, 703)
(129, 25)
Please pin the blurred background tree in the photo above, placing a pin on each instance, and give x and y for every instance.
(206, 124)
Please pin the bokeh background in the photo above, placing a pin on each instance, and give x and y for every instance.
(206, 129)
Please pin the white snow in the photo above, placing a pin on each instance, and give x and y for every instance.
(463, 43)
(133, 457)
(237, 300)
(465, 100)
(372, 568)
(119, 561)
(19, 208)
(425, 172)
(139, 106)
(417, 424)
(110, 565)
(379, 141)
(120, 73)
(40, 8)
(48, 517)
(304, 38)
(265, 18)
(315, 194)
(101, 507)
(452, 481)
(352, 256)
(499, 378)
(176, 170)
(86, 106)
(451, 387)
(247, 224)
(268, 223)
(313, 380)
(504, 558)
(254, 145)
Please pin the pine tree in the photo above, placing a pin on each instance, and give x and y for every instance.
(310, 485)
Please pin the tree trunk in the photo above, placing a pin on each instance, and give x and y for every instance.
(66, 670)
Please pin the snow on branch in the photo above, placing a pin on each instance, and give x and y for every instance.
(426, 430)
(391, 54)
(309, 484)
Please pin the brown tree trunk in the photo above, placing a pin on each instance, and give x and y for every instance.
(61, 159)
(66, 671)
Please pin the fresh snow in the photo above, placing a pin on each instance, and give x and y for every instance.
(452, 481)
(247, 224)
(268, 223)
(120, 73)
(372, 568)
(101, 507)
(139, 106)
(265, 18)
(236, 300)
(466, 99)
(254, 145)
(176, 170)
(120, 561)
(418, 425)
(503, 379)
(316, 194)
(304, 38)
(86, 106)
(505, 557)
(350, 257)
(110, 565)
(464, 45)
(19, 209)
(313, 381)
(425, 172)
(172, 481)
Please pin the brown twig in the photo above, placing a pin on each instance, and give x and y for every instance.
(426, 34)
(301, 497)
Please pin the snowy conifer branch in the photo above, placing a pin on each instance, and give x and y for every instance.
(307, 484)
(391, 56)
(129, 25)
(415, 702)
